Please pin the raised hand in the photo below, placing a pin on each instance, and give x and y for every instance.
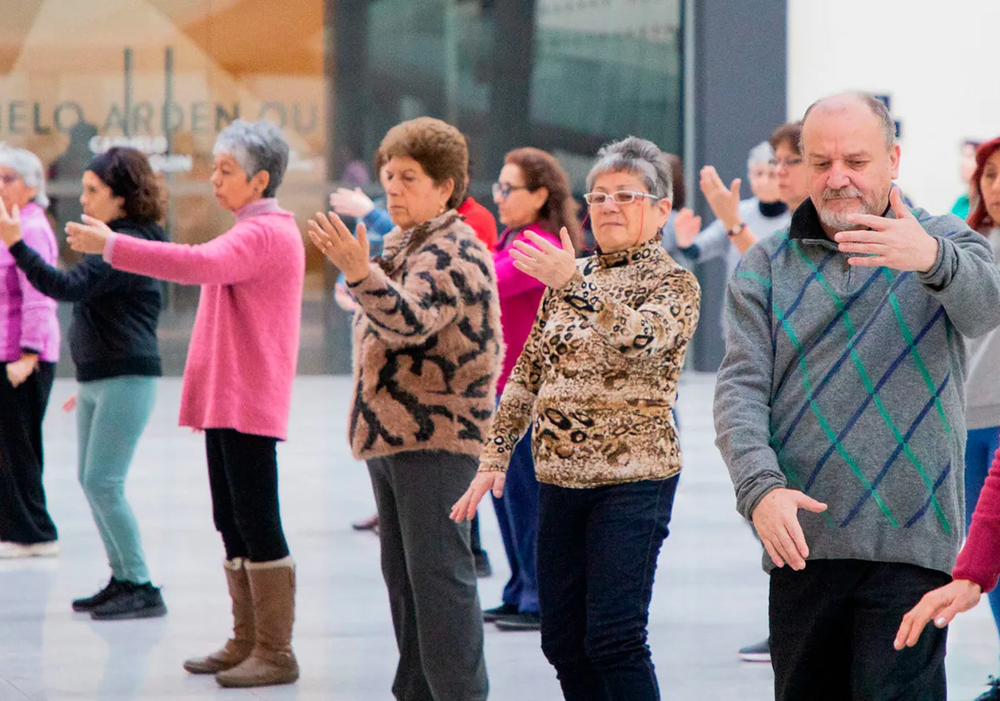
(331, 236)
(940, 605)
(10, 225)
(777, 523)
(544, 261)
(465, 508)
(725, 203)
(89, 237)
(900, 243)
(687, 226)
(352, 203)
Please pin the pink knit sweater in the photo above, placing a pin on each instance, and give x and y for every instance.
(245, 342)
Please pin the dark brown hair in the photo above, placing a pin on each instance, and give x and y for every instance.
(127, 172)
(979, 219)
(679, 196)
(541, 169)
(437, 146)
(790, 134)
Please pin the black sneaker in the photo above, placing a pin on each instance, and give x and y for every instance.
(132, 601)
(758, 652)
(993, 693)
(501, 611)
(483, 568)
(520, 621)
(92, 602)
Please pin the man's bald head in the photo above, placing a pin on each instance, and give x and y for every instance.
(852, 100)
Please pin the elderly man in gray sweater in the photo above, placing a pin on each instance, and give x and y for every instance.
(839, 410)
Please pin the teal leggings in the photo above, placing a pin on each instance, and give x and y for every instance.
(111, 415)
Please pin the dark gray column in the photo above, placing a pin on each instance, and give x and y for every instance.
(739, 92)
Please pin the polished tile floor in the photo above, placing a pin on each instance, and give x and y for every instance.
(709, 599)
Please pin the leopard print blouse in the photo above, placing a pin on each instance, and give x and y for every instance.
(597, 377)
(427, 343)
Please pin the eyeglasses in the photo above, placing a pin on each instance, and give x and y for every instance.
(502, 190)
(9, 178)
(787, 162)
(595, 199)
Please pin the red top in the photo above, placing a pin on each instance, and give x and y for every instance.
(481, 221)
(979, 560)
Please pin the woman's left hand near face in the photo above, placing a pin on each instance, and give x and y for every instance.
(545, 262)
(10, 225)
(88, 237)
(351, 255)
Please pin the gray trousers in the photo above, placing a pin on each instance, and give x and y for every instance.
(430, 573)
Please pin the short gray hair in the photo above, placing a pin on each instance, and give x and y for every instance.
(641, 158)
(29, 167)
(256, 146)
(877, 107)
(761, 153)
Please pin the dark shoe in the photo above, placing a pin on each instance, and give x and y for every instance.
(501, 611)
(483, 568)
(92, 602)
(132, 601)
(369, 524)
(993, 693)
(520, 621)
(759, 652)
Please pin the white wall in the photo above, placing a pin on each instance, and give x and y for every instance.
(938, 59)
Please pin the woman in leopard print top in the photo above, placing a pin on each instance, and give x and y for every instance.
(596, 381)
(427, 351)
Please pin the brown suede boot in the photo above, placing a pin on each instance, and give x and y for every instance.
(272, 660)
(238, 647)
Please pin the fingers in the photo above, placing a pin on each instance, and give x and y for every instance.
(869, 220)
(564, 238)
(461, 507)
(809, 504)
(499, 480)
(478, 491)
(867, 248)
(524, 251)
(3, 210)
(772, 552)
(788, 549)
(917, 618)
(734, 189)
(15, 214)
(870, 262)
(898, 206)
(541, 243)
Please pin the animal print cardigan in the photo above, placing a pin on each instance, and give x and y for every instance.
(427, 343)
(597, 378)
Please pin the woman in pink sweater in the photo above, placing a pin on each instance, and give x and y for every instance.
(238, 384)
(533, 197)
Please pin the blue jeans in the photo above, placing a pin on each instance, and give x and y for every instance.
(111, 416)
(980, 446)
(597, 552)
(517, 515)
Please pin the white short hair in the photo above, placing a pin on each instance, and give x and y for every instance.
(29, 167)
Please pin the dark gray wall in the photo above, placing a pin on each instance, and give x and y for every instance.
(740, 80)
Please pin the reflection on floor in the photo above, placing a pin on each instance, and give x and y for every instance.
(710, 595)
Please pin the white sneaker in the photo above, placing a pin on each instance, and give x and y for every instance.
(10, 551)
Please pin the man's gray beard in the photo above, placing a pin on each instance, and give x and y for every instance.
(838, 222)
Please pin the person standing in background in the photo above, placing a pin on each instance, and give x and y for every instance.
(29, 350)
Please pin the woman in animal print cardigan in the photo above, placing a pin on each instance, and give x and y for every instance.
(596, 381)
(427, 351)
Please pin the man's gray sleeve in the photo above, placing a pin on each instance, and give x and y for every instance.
(743, 389)
(966, 281)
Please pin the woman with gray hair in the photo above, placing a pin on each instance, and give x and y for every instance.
(596, 382)
(238, 384)
(29, 349)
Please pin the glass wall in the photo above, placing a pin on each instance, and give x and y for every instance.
(166, 75)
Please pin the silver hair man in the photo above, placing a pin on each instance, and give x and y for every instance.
(29, 167)
(641, 158)
(256, 146)
(761, 153)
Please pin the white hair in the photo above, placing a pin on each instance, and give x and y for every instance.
(29, 167)
(761, 153)
(256, 146)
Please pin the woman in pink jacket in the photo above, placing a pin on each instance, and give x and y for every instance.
(29, 349)
(533, 197)
(238, 384)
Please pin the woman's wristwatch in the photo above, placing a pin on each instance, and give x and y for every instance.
(736, 229)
